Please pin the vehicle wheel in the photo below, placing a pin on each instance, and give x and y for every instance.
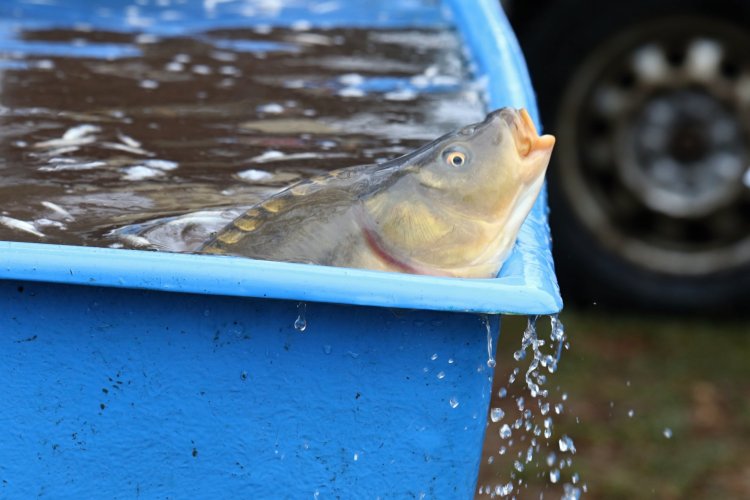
(650, 181)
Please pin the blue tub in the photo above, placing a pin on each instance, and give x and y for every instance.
(140, 374)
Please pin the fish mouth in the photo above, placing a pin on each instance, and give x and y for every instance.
(525, 135)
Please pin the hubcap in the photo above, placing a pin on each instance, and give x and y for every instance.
(654, 145)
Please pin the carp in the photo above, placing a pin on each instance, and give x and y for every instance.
(451, 208)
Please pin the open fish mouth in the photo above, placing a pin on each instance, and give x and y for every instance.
(525, 135)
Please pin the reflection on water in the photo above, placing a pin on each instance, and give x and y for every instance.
(127, 112)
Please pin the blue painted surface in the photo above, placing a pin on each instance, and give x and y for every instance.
(123, 388)
(109, 393)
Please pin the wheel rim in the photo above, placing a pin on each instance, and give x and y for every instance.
(653, 145)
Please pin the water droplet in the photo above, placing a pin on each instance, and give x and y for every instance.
(518, 466)
(450, 361)
(300, 324)
(564, 396)
(631, 413)
(434, 357)
(505, 431)
(554, 475)
(544, 408)
(356, 457)
(441, 375)
(566, 444)
(505, 490)
(519, 403)
(667, 433)
(570, 492)
(502, 450)
(453, 402)
(558, 408)
(551, 458)
(575, 478)
(327, 349)
(502, 392)
(490, 459)
(496, 414)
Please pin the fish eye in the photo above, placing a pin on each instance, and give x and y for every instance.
(455, 158)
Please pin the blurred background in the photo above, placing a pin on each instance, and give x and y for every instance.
(650, 181)
(650, 212)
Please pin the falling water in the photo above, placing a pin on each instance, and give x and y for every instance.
(490, 352)
(531, 445)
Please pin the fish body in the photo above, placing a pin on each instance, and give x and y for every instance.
(451, 208)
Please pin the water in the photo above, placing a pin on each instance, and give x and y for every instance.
(300, 324)
(153, 127)
(530, 444)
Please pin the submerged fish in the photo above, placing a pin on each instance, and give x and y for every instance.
(451, 208)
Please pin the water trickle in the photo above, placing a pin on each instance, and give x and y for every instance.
(300, 324)
(533, 412)
(490, 351)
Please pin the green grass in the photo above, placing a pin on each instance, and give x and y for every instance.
(692, 376)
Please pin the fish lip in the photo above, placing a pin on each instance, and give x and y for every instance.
(525, 135)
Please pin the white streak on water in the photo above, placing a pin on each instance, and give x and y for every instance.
(67, 165)
(128, 149)
(77, 136)
(20, 225)
(270, 156)
(140, 172)
(80, 131)
(161, 164)
(254, 175)
(128, 141)
(58, 210)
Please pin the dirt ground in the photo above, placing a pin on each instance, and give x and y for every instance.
(656, 407)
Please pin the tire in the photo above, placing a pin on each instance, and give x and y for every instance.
(625, 233)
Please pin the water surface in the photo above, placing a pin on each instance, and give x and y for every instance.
(116, 114)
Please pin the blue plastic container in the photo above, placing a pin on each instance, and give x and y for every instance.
(140, 374)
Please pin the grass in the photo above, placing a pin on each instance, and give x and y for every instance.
(690, 376)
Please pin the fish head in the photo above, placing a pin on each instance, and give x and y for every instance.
(459, 201)
(488, 169)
